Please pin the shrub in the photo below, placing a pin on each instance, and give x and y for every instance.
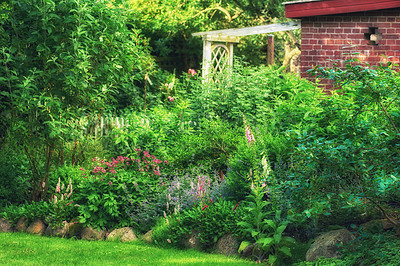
(264, 95)
(210, 219)
(30, 211)
(106, 190)
(179, 193)
(60, 61)
(210, 145)
(15, 176)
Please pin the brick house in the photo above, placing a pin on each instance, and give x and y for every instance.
(334, 29)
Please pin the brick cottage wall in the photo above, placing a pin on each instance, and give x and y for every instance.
(335, 37)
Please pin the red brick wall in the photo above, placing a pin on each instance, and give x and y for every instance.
(333, 37)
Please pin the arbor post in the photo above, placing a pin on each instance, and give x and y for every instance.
(271, 48)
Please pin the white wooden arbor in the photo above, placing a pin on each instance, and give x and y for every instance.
(218, 44)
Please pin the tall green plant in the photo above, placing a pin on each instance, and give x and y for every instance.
(60, 61)
(266, 227)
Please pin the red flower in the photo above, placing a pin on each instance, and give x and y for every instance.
(211, 200)
(222, 176)
(205, 206)
(236, 206)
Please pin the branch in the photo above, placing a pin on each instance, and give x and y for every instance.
(289, 56)
(217, 7)
(388, 116)
(293, 38)
(395, 223)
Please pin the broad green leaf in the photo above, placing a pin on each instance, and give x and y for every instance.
(286, 251)
(281, 228)
(289, 239)
(271, 223)
(266, 241)
(243, 245)
(277, 237)
(254, 233)
(272, 259)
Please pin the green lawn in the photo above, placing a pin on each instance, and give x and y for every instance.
(24, 249)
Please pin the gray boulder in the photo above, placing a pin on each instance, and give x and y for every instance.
(37, 227)
(88, 233)
(59, 231)
(192, 241)
(5, 226)
(227, 245)
(74, 229)
(124, 234)
(326, 244)
(21, 225)
(148, 237)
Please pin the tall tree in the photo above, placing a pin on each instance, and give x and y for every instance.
(60, 60)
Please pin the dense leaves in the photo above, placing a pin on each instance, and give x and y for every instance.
(60, 61)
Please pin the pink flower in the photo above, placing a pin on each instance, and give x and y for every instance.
(192, 72)
(110, 183)
(169, 240)
(211, 201)
(166, 162)
(58, 186)
(94, 160)
(157, 161)
(171, 99)
(249, 135)
(82, 169)
(69, 203)
(222, 176)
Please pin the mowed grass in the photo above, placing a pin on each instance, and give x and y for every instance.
(24, 249)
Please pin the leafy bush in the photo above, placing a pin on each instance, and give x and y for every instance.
(367, 249)
(30, 211)
(60, 61)
(104, 192)
(15, 177)
(210, 145)
(210, 219)
(181, 192)
(264, 95)
(156, 131)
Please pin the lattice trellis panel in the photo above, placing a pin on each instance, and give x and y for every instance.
(220, 58)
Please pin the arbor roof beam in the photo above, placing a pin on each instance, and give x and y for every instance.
(263, 29)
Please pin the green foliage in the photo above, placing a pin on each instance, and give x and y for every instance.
(180, 192)
(59, 62)
(264, 95)
(15, 177)
(367, 249)
(170, 24)
(30, 211)
(61, 205)
(104, 193)
(266, 231)
(156, 131)
(211, 220)
(210, 145)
